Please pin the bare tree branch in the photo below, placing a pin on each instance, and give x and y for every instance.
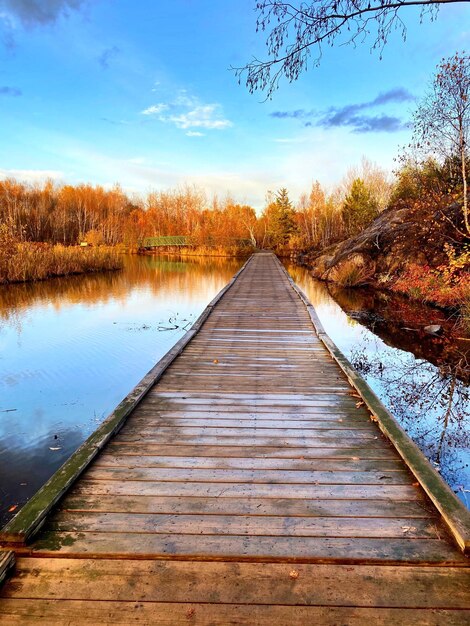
(300, 30)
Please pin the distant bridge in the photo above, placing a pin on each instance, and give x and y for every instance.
(167, 241)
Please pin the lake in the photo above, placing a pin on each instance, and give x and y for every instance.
(72, 348)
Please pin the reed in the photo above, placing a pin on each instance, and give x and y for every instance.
(22, 262)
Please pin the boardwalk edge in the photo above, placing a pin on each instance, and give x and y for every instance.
(30, 518)
(453, 511)
(7, 563)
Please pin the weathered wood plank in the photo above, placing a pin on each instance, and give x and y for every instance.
(350, 464)
(383, 451)
(249, 476)
(249, 547)
(172, 505)
(274, 526)
(244, 490)
(248, 431)
(67, 612)
(188, 581)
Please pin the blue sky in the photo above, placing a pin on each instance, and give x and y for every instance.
(140, 93)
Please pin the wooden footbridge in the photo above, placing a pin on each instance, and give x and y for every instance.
(255, 479)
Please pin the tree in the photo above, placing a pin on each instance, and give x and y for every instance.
(375, 178)
(280, 218)
(359, 207)
(303, 27)
(442, 120)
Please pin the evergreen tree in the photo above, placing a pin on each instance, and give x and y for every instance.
(359, 207)
(281, 219)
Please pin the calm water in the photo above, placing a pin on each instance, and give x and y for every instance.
(71, 349)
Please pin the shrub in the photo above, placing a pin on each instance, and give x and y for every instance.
(447, 285)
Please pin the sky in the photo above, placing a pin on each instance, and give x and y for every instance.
(141, 93)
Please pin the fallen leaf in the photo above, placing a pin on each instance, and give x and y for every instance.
(374, 418)
(407, 529)
(190, 613)
(12, 508)
(415, 484)
(293, 574)
(216, 360)
(359, 404)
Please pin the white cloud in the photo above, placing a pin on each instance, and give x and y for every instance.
(31, 176)
(155, 109)
(186, 111)
(203, 116)
(194, 133)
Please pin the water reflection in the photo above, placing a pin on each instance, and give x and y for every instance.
(422, 379)
(72, 348)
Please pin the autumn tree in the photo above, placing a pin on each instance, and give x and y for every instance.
(297, 32)
(359, 207)
(442, 120)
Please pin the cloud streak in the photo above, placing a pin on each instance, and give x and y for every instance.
(351, 115)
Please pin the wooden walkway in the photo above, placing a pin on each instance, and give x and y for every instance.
(249, 486)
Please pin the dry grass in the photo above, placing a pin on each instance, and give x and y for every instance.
(350, 274)
(21, 262)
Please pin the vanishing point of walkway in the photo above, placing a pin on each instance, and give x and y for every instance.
(249, 486)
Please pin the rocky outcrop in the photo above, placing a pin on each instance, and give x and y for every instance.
(396, 238)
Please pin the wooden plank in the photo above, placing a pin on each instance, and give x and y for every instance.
(249, 547)
(243, 490)
(304, 507)
(378, 451)
(349, 464)
(249, 476)
(188, 581)
(67, 612)
(254, 439)
(320, 399)
(274, 526)
(339, 423)
(172, 432)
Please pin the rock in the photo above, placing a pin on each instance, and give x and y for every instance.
(433, 329)
(397, 238)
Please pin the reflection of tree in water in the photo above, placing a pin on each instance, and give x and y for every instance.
(431, 402)
(163, 275)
